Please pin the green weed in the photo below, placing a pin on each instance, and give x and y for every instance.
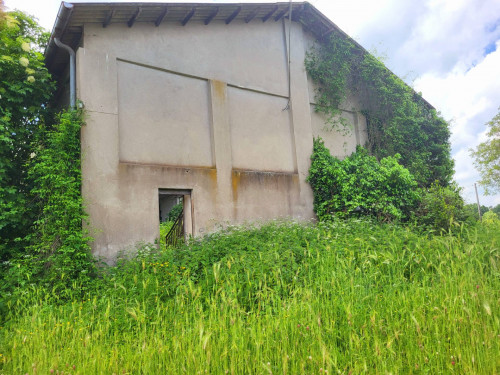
(345, 297)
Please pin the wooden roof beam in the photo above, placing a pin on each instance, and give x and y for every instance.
(188, 17)
(161, 16)
(252, 15)
(108, 18)
(311, 27)
(280, 15)
(132, 19)
(297, 13)
(233, 15)
(268, 15)
(328, 32)
(212, 16)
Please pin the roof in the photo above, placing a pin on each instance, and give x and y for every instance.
(71, 17)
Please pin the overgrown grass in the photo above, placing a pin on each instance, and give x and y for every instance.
(348, 297)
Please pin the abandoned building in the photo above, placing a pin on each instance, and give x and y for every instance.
(208, 104)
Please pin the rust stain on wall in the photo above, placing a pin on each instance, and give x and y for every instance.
(212, 174)
(235, 182)
(219, 89)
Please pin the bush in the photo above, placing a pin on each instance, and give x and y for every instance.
(491, 218)
(251, 254)
(360, 185)
(25, 89)
(440, 207)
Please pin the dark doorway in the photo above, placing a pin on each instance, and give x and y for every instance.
(174, 216)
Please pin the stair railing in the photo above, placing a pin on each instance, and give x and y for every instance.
(176, 234)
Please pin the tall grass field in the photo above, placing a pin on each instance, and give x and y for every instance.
(350, 297)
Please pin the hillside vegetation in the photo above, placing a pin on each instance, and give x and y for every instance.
(347, 297)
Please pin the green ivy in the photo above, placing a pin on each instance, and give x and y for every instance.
(320, 62)
(361, 185)
(399, 121)
(59, 248)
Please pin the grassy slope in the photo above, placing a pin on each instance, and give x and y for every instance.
(349, 298)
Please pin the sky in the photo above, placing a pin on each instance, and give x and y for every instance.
(449, 50)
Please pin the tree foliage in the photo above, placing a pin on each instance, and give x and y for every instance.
(491, 218)
(496, 209)
(487, 157)
(41, 209)
(25, 88)
(399, 120)
(361, 185)
(471, 211)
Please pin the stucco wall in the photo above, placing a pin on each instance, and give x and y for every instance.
(202, 108)
(347, 130)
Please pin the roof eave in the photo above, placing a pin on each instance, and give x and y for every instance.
(309, 17)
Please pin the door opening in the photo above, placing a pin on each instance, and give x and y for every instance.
(174, 216)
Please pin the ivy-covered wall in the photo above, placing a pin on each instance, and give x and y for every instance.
(399, 121)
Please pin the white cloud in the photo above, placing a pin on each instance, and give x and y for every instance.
(470, 98)
(443, 43)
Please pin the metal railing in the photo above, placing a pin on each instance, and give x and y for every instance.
(176, 234)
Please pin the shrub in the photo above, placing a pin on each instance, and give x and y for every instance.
(360, 185)
(491, 218)
(25, 89)
(440, 207)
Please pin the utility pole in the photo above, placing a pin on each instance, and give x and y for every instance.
(478, 206)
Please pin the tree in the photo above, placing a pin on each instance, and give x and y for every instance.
(470, 210)
(41, 208)
(25, 89)
(496, 209)
(487, 157)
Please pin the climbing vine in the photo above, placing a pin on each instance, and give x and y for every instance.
(320, 63)
(399, 120)
(59, 249)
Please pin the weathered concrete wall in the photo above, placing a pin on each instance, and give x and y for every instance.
(348, 129)
(163, 118)
(199, 108)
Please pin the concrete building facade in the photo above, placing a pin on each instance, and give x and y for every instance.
(209, 102)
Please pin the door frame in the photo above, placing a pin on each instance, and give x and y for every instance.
(187, 207)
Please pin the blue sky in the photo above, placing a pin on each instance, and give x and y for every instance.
(449, 50)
